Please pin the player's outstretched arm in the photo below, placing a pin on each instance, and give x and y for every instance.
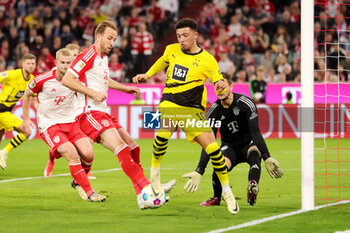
(72, 83)
(251, 113)
(195, 177)
(194, 180)
(159, 65)
(139, 78)
(272, 166)
(121, 87)
(220, 87)
(25, 107)
(35, 102)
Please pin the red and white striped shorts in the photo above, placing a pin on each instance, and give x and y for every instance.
(95, 122)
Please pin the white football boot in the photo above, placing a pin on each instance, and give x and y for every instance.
(95, 197)
(80, 190)
(3, 158)
(231, 203)
(167, 187)
(155, 182)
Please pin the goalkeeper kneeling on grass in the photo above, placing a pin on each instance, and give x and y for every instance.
(241, 141)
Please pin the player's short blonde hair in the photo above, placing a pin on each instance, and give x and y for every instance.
(260, 68)
(72, 46)
(28, 57)
(100, 29)
(63, 52)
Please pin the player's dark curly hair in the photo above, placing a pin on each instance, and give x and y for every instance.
(187, 22)
(227, 77)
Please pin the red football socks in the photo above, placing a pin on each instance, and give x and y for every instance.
(135, 154)
(86, 165)
(130, 168)
(80, 178)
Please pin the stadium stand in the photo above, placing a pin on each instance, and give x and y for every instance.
(258, 32)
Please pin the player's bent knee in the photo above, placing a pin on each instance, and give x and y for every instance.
(74, 161)
(87, 154)
(85, 151)
(212, 147)
(25, 131)
(86, 162)
(253, 149)
(71, 157)
(28, 132)
(68, 151)
(228, 163)
(253, 156)
(125, 136)
(111, 139)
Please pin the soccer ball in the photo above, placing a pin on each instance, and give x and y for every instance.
(150, 200)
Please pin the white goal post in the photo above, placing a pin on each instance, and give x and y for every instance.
(307, 106)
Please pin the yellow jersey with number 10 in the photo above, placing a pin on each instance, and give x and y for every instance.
(185, 75)
(13, 88)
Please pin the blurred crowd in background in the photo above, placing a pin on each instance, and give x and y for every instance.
(244, 35)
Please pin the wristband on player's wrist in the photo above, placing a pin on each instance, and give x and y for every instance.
(265, 156)
(199, 170)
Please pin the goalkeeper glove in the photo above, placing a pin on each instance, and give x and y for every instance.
(193, 182)
(273, 168)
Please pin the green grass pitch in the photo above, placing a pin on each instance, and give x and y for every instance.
(51, 205)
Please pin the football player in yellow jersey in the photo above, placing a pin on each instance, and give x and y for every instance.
(14, 84)
(184, 100)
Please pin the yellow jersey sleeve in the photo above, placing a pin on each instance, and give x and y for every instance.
(160, 64)
(5, 75)
(213, 71)
(166, 55)
(13, 87)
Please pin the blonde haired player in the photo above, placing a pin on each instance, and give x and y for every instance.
(74, 48)
(184, 94)
(14, 83)
(57, 124)
(51, 162)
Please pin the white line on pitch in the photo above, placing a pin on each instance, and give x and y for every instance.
(263, 220)
(68, 174)
(64, 174)
(118, 169)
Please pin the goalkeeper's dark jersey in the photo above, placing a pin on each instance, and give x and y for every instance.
(239, 123)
